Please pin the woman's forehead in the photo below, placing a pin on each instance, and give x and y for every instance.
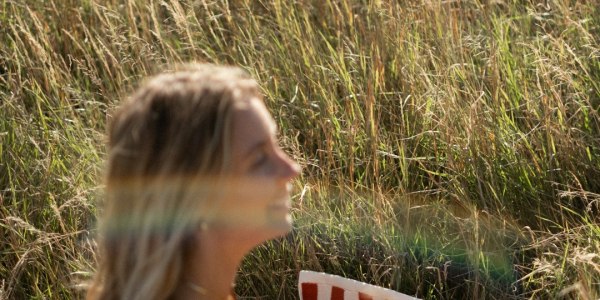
(252, 125)
(253, 113)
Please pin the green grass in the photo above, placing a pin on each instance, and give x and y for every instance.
(450, 148)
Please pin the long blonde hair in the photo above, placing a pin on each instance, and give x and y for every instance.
(168, 145)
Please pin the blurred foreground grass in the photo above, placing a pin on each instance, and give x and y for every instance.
(450, 148)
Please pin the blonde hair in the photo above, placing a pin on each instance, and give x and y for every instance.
(168, 145)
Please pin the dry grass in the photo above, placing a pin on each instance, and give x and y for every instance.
(450, 148)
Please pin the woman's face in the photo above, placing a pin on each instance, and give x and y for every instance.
(257, 197)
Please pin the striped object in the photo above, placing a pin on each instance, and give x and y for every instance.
(322, 286)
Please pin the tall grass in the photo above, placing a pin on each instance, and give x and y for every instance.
(450, 148)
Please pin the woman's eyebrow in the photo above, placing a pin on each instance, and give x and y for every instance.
(256, 147)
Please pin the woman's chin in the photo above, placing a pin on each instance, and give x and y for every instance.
(278, 224)
(279, 221)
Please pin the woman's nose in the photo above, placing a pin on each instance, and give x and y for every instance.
(289, 168)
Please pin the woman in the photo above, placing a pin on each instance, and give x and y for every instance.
(195, 180)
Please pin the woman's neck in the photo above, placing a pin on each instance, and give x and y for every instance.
(209, 267)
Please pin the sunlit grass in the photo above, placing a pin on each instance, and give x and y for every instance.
(450, 148)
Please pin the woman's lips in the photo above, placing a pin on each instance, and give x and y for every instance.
(283, 203)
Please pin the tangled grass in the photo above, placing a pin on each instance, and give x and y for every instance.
(450, 148)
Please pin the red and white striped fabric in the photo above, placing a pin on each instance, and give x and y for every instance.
(322, 286)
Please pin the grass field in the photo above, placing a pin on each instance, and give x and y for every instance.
(450, 149)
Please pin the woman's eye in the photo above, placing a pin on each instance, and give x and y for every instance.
(259, 160)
